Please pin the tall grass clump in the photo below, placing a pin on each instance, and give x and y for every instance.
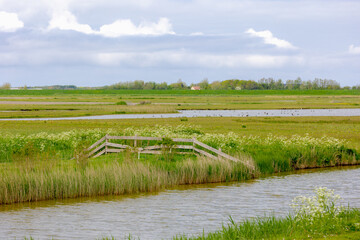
(275, 154)
(314, 217)
(58, 179)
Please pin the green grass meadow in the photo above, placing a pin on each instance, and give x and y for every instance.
(70, 103)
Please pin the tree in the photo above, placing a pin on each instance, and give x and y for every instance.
(297, 83)
(279, 84)
(228, 84)
(179, 84)
(6, 86)
(138, 84)
(150, 85)
(162, 86)
(204, 84)
(216, 85)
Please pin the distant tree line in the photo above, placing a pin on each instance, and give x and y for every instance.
(236, 84)
(231, 84)
(140, 84)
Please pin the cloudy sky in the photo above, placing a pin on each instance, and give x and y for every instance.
(101, 42)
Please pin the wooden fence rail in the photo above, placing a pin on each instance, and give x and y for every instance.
(104, 146)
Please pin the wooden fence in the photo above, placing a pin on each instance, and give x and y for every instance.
(179, 146)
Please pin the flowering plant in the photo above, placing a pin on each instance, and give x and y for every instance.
(323, 204)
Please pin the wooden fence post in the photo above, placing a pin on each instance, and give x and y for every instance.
(106, 141)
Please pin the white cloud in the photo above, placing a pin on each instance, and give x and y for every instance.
(354, 50)
(127, 28)
(270, 39)
(65, 20)
(9, 22)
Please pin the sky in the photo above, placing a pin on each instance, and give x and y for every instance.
(102, 42)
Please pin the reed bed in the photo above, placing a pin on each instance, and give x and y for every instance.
(41, 180)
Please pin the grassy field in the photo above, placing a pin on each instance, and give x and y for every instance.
(57, 103)
(178, 92)
(346, 128)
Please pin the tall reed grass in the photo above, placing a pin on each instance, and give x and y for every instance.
(41, 180)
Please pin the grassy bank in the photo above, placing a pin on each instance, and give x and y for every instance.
(345, 226)
(317, 217)
(37, 166)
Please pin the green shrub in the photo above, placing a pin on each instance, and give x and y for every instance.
(121, 103)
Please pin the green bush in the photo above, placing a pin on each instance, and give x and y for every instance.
(121, 103)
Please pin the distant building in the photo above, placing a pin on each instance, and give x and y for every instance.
(195, 88)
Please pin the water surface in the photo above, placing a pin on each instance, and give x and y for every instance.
(186, 209)
(216, 113)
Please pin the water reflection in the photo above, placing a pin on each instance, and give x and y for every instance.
(185, 209)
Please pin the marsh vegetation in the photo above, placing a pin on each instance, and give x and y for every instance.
(38, 166)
